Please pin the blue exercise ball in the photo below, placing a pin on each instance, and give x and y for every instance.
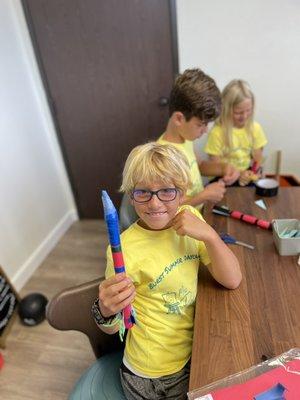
(32, 309)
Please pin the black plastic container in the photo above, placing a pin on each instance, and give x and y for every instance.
(267, 187)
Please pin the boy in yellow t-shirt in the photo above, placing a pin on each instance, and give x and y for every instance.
(162, 252)
(236, 138)
(195, 100)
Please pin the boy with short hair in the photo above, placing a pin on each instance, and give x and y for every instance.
(195, 100)
(162, 252)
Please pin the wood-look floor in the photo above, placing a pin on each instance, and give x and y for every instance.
(41, 362)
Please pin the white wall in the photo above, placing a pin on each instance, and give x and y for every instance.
(36, 202)
(258, 41)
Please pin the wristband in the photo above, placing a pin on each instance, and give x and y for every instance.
(99, 318)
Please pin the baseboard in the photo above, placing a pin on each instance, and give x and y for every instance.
(41, 252)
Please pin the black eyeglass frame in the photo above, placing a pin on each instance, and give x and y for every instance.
(154, 192)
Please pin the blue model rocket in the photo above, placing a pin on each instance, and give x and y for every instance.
(112, 223)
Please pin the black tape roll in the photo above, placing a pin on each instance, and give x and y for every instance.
(267, 187)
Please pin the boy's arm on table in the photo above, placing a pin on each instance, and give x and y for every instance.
(115, 293)
(215, 167)
(224, 265)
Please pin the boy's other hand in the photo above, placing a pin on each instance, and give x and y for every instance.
(246, 177)
(230, 174)
(115, 293)
(214, 192)
(187, 223)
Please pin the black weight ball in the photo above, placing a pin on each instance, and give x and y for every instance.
(32, 309)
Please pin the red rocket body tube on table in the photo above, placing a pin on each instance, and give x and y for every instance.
(250, 219)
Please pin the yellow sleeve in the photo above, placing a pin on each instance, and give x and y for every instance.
(204, 254)
(193, 210)
(259, 136)
(215, 142)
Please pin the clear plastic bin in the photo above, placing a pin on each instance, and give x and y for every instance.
(286, 246)
(282, 370)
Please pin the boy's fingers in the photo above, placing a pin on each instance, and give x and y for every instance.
(118, 306)
(117, 288)
(113, 280)
(126, 302)
(178, 217)
(175, 224)
(110, 288)
(124, 295)
(111, 300)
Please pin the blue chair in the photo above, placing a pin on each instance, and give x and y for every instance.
(101, 381)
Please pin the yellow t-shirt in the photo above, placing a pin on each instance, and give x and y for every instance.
(163, 267)
(188, 149)
(242, 145)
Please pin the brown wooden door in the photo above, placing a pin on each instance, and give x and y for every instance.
(105, 64)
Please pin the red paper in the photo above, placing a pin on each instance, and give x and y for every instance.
(288, 376)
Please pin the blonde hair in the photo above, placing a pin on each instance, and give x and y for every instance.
(152, 162)
(234, 93)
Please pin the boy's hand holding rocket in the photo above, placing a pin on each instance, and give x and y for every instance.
(112, 223)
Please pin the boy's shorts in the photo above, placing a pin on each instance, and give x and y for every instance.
(169, 387)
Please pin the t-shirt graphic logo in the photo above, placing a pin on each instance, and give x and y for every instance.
(175, 301)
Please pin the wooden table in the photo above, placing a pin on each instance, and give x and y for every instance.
(235, 329)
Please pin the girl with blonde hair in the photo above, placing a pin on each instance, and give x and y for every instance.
(236, 138)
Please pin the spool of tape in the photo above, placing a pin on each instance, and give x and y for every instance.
(267, 187)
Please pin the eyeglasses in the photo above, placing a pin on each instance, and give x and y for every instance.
(164, 195)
